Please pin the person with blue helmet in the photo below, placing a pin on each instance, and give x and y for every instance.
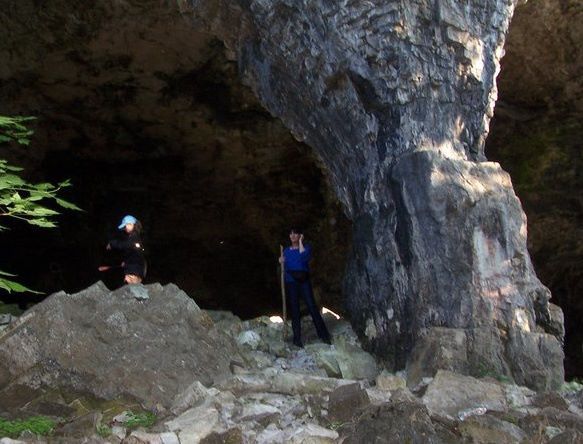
(132, 248)
(295, 261)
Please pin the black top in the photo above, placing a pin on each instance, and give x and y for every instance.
(132, 249)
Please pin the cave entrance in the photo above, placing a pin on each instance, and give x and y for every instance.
(148, 117)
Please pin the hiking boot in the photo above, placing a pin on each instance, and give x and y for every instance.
(298, 343)
(326, 340)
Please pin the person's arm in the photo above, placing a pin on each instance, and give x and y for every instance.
(119, 244)
(302, 248)
(305, 252)
(128, 243)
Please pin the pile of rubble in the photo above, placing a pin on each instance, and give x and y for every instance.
(255, 387)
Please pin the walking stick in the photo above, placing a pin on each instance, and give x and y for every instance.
(282, 282)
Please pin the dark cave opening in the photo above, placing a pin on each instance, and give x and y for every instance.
(164, 130)
(196, 237)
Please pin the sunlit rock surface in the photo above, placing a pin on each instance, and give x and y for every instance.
(147, 343)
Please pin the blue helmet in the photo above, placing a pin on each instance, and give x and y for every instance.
(127, 220)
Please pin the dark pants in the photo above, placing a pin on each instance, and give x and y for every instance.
(294, 290)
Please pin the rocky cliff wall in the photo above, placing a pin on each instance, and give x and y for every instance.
(396, 99)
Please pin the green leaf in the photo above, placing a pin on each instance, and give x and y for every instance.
(11, 179)
(67, 205)
(43, 186)
(3, 273)
(11, 286)
(42, 211)
(44, 223)
(35, 197)
(13, 168)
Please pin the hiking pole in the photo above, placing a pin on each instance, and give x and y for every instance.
(282, 282)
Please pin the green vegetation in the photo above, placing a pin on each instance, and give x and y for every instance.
(13, 129)
(146, 419)
(20, 199)
(103, 430)
(38, 425)
(336, 425)
(483, 371)
(574, 385)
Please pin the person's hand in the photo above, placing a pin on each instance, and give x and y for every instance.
(281, 260)
(301, 238)
(108, 247)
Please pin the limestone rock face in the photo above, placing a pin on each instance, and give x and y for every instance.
(113, 344)
(396, 100)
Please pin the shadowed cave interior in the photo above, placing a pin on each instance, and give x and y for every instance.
(164, 130)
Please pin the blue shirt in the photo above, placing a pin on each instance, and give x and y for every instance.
(296, 261)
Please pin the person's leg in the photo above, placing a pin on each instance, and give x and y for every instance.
(308, 295)
(292, 292)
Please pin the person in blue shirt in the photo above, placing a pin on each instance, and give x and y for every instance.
(296, 263)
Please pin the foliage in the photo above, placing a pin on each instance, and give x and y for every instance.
(9, 286)
(12, 129)
(39, 425)
(146, 419)
(103, 430)
(575, 385)
(20, 199)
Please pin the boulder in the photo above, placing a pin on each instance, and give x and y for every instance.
(451, 394)
(388, 381)
(313, 434)
(489, 429)
(567, 437)
(114, 344)
(354, 362)
(396, 422)
(194, 424)
(346, 401)
(231, 436)
(261, 413)
(551, 417)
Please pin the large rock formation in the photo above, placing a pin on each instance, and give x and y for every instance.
(396, 100)
(144, 343)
